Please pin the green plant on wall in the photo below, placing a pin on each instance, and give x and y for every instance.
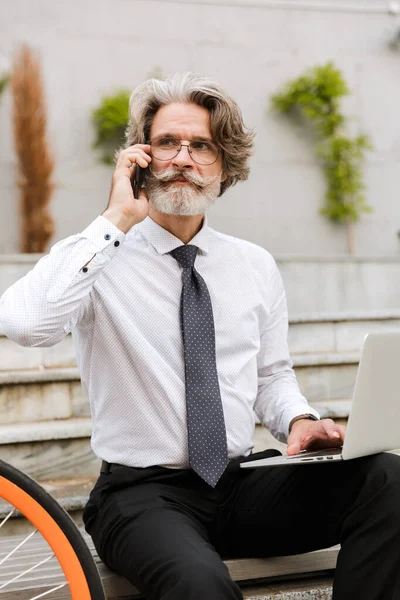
(110, 119)
(316, 96)
(3, 83)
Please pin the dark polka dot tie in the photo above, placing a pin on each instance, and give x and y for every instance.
(208, 454)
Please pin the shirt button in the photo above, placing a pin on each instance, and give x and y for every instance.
(116, 244)
(107, 236)
(85, 269)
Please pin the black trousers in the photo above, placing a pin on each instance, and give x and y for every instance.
(167, 531)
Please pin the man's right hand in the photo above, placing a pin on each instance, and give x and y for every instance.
(123, 209)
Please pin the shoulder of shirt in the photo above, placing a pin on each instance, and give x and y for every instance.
(257, 254)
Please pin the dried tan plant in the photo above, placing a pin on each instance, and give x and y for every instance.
(35, 159)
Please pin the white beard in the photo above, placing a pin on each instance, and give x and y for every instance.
(182, 199)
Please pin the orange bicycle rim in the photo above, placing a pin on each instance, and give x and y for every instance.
(53, 535)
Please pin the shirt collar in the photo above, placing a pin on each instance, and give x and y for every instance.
(164, 241)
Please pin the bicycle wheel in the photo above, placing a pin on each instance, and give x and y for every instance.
(57, 529)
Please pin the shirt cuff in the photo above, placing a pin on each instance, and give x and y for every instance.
(295, 411)
(102, 233)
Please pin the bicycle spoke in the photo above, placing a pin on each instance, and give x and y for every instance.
(27, 571)
(17, 547)
(50, 591)
(10, 514)
(56, 559)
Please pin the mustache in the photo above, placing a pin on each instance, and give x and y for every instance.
(172, 175)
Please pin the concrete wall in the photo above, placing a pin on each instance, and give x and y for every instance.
(91, 48)
(313, 286)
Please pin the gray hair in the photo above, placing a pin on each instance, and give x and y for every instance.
(226, 121)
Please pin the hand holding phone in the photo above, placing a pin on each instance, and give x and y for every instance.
(138, 180)
(128, 204)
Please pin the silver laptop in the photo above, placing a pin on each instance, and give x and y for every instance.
(374, 420)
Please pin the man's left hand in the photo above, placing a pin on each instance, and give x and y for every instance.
(314, 435)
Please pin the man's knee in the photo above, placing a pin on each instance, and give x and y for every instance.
(199, 581)
(383, 482)
(385, 468)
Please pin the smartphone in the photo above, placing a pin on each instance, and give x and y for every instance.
(138, 180)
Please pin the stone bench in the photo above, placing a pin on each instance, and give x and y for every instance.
(271, 576)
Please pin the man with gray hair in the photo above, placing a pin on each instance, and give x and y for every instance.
(180, 334)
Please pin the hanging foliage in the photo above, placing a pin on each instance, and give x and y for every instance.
(316, 95)
(110, 120)
(3, 83)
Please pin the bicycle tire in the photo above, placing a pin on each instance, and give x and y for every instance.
(57, 528)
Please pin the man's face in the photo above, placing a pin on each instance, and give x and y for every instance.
(180, 186)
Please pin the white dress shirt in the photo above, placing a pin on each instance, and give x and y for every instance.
(123, 310)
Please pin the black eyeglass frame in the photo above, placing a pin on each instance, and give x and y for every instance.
(189, 150)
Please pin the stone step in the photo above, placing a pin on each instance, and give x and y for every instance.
(321, 383)
(40, 395)
(56, 393)
(58, 455)
(316, 334)
(313, 284)
(46, 375)
(303, 589)
(71, 374)
(50, 449)
(325, 353)
(300, 577)
(13, 356)
(337, 333)
(60, 448)
(72, 494)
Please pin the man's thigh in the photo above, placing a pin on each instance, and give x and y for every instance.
(156, 534)
(295, 509)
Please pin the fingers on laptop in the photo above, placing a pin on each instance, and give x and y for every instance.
(333, 430)
(316, 435)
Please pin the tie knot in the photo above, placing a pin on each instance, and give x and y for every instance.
(185, 255)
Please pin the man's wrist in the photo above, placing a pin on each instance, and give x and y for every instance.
(307, 416)
(123, 223)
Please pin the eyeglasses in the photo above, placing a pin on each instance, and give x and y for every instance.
(202, 152)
